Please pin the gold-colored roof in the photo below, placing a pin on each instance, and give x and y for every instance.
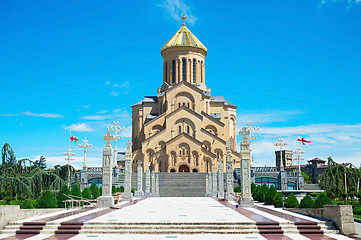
(184, 37)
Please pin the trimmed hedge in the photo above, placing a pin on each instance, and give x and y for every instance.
(322, 200)
(277, 200)
(272, 191)
(291, 201)
(306, 202)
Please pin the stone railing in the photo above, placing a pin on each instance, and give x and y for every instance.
(292, 174)
(341, 215)
(94, 169)
(265, 169)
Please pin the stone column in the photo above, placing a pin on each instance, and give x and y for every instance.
(147, 181)
(106, 199)
(229, 176)
(153, 184)
(220, 179)
(139, 193)
(127, 194)
(157, 185)
(214, 183)
(246, 199)
(209, 191)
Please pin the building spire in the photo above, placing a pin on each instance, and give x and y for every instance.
(184, 18)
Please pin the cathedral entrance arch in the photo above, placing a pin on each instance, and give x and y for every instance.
(183, 168)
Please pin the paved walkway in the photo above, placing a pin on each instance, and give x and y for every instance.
(187, 210)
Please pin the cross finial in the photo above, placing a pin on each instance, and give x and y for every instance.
(108, 138)
(128, 143)
(184, 18)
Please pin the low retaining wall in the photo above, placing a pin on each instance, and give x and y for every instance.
(10, 213)
(341, 215)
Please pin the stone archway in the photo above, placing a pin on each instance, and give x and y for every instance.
(183, 168)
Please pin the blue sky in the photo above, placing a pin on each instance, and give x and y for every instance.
(292, 67)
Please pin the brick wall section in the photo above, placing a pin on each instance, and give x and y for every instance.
(341, 215)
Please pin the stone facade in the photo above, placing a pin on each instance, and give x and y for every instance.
(183, 128)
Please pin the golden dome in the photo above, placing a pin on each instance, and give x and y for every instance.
(184, 37)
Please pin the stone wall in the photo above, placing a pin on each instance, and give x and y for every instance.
(10, 213)
(341, 215)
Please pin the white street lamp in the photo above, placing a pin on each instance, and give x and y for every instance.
(85, 145)
(115, 128)
(250, 129)
(298, 158)
(69, 157)
(280, 143)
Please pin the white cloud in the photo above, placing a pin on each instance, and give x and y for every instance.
(78, 162)
(107, 83)
(117, 114)
(267, 116)
(102, 112)
(46, 115)
(79, 127)
(346, 3)
(114, 93)
(174, 9)
(87, 107)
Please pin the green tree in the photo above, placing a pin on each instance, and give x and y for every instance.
(47, 200)
(270, 195)
(94, 190)
(306, 177)
(75, 190)
(291, 201)
(60, 197)
(277, 200)
(41, 162)
(322, 200)
(87, 193)
(261, 193)
(306, 202)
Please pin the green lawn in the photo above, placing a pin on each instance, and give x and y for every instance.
(357, 216)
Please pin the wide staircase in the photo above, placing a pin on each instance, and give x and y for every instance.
(182, 184)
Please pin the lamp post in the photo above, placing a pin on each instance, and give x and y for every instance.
(115, 128)
(280, 143)
(298, 157)
(85, 145)
(250, 129)
(69, 157)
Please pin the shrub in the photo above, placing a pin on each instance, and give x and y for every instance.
(60, 196)
(87, 193)
(253, 187)
(47, 200)
(270, 195)
(26, 204)
(14, 202)
(306, 202)
(237, 189)
(291, 201)
(357, 210)
(277, 200)
(255, 192)
(261, 193)
(321, 200)
(75, 190)
(94, 190)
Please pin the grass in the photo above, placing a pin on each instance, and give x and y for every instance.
(357, 216)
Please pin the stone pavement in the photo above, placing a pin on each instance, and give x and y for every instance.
(173, 218)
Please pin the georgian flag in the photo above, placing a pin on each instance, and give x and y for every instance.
(304, 141)
(74, 139)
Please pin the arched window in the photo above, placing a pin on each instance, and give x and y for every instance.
(183, 152)
(180, 129)
(201, 71)
(188, 105)
(166, 72)
(194, 70)
(173, 71)
(188, 129)
(179, 104)
(184, 69)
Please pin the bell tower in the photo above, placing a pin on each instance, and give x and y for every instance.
(183, 57)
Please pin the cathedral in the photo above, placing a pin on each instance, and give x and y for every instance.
(183, 128)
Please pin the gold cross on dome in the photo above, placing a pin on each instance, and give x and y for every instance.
(108, 138)
(128, 143)
(184, 18)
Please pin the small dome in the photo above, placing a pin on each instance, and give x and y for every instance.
(184, 37)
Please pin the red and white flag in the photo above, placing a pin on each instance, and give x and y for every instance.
(304, 141)
(74, 139)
